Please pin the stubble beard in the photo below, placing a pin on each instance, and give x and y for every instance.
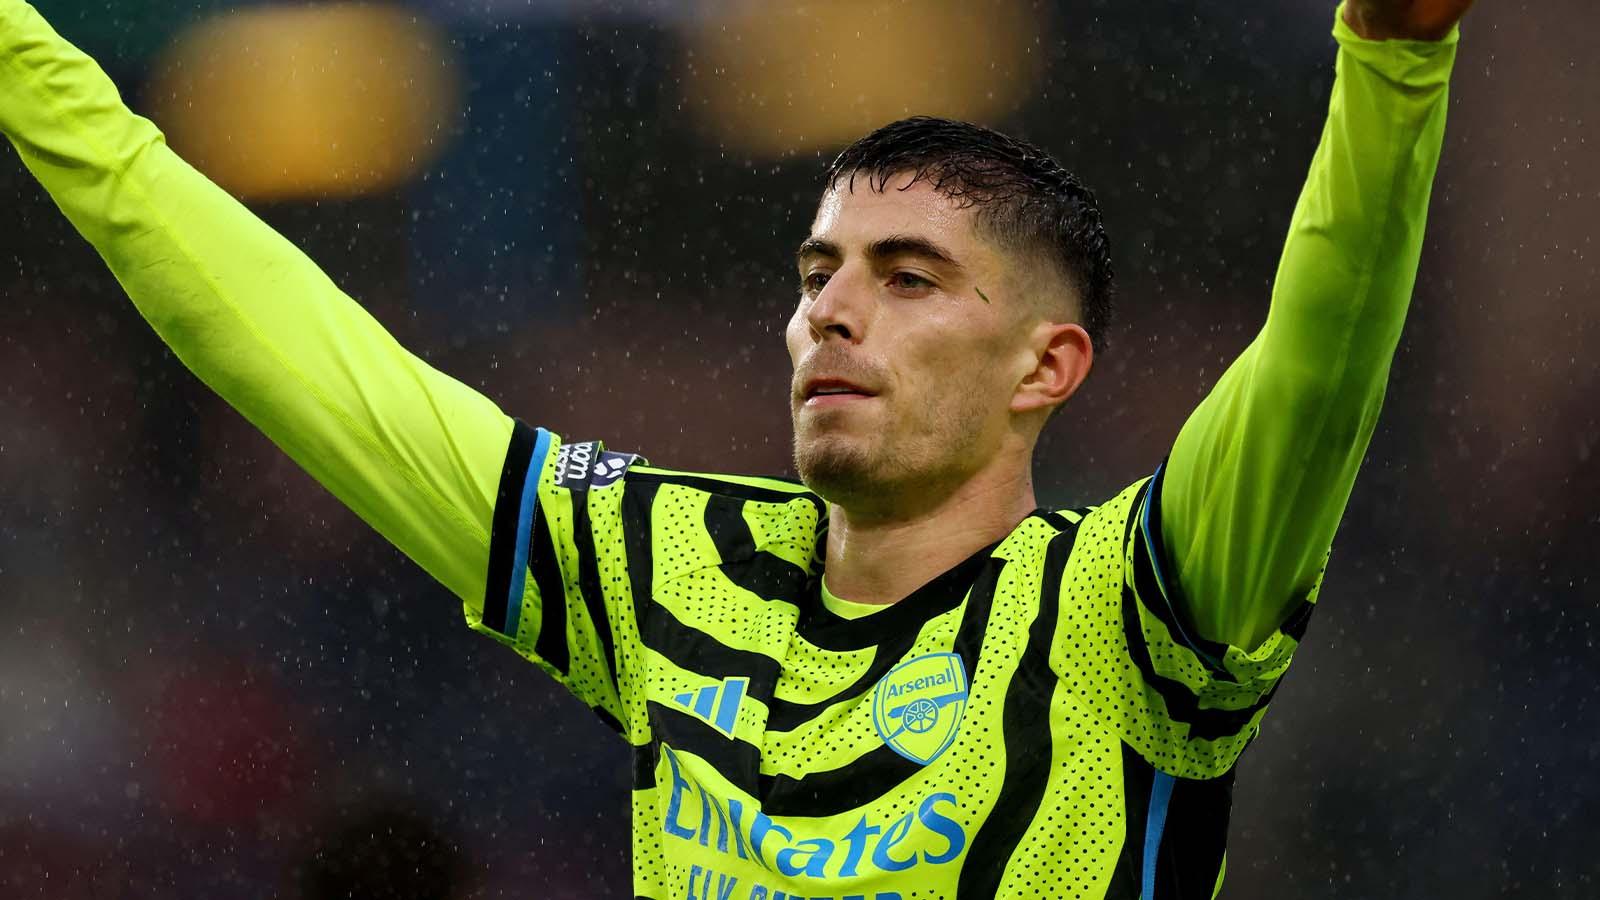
(883, 471)
(839, 458)
(836, 468)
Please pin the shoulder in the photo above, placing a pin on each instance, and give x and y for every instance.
(741, 514)
(759, 488)
(592, 465)
(706, 519)
(1121, 510)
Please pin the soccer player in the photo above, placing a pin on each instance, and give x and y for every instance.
(897, 677)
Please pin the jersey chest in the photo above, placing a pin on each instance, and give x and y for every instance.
(812, 714)
(787, 742)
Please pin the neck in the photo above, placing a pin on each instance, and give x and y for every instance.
(880, 557)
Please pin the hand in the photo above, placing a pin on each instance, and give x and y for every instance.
(1405, 20)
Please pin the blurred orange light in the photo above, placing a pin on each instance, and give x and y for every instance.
(775, 78)
(307, 101)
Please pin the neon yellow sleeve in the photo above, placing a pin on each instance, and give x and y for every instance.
(415, 453)
(1260, 474)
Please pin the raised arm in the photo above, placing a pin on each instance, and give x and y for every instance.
(415, 453)
(1260, 474)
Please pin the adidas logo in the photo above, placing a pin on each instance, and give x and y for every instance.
(701, 703)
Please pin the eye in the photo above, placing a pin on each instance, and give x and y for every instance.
(812, 283)
(909, 281)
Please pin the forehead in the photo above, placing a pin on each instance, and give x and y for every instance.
(863, 213)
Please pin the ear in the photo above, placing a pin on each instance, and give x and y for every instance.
(1065, 354)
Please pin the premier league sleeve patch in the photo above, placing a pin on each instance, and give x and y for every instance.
(917, 706)
(610, 467)
(588, 464)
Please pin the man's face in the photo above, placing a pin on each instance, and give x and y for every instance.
(907, 344)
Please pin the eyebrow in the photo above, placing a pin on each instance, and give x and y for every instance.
(883, 248)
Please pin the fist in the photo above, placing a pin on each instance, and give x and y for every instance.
(1406, 20)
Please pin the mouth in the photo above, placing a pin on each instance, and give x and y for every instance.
(824, 392)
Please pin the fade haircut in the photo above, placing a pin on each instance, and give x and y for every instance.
(1024, 198)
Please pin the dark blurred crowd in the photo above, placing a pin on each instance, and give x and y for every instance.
(215, 681)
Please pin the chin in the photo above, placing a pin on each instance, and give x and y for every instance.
(835, 468)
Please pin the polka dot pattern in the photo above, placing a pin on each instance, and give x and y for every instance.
(1030, 797)
(1093, 658)
(844, 731)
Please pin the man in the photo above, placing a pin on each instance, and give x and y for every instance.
(899, 678)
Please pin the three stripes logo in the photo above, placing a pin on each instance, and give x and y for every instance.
(716, 704)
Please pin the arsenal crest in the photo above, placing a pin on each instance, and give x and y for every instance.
(917, 706)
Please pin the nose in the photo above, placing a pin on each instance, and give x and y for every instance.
(843, 307)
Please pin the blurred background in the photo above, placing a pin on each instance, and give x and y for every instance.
(214, 681)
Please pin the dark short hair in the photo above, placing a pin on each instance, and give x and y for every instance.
(1024, 197)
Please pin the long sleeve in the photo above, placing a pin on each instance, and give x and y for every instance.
(1259, 476)
(413, 452)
